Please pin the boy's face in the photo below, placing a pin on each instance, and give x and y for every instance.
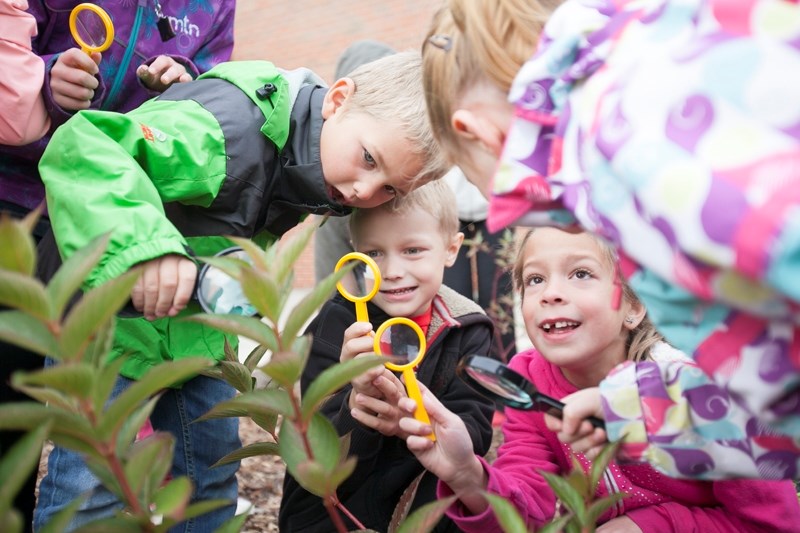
(411, 252)
(365, 162)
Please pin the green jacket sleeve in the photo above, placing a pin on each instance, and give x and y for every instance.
(111, 173)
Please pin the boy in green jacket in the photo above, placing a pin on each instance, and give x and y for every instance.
(246, 150)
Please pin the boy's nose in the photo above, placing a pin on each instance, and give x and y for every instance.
(364, 190)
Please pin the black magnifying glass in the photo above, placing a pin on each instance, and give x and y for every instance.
(497, 382)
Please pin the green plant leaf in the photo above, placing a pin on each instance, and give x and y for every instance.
(92, 312)
(334, 378)
(292, 446)
(17, 463)
(254, 358)
(100, 346)
(101, 468)
(22, 330)
(568, 495)
(508, 516)
(251, 450)
(258, 401)
(203, 507)
(598, 507)
(600, 463)
(51, 397)
(148, 463)
(59, 521)
(321, 481)
(556, 525)
(164, 375)
(18, 252)
(404, 503)
(580, 479)
(234, 524)
(68, 428)
(324, 441)
(73, 272)
(427, 516)
(104, 384)
(257, 255)
(285, 368)
(246, 326)
(237, 375)
(74, 380)
(289, 250)
(130, 429)
(25, 293)
(311, 302)
(11, 521)
(172, 499)
(263, 293)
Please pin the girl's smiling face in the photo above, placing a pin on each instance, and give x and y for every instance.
(567, 292)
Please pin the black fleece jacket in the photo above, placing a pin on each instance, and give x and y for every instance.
(385, 467)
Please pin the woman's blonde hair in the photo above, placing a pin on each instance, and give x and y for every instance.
(641, 338)
(473, 41)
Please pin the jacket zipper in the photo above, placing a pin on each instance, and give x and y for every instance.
(126, 59)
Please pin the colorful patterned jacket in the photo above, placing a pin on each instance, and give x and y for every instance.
(672, 128)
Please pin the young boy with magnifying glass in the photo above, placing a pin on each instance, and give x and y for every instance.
(412, 240)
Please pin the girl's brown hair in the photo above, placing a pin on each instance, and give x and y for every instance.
(641, 338)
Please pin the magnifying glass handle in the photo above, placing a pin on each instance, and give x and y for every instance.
(412, 387)
(361, 312)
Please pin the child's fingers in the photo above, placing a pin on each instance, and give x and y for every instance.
(187, 276)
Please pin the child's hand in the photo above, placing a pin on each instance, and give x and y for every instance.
(382, 415)
(358, 342)
(450, 457)
(620, 524)
(165, 286)
(161, 73)
(72, 79)
(573, 429)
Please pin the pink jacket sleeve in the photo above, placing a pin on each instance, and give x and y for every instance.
(745, 506)
(23, 118)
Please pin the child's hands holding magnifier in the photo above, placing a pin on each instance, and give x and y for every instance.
(72, 79)
(573, 428)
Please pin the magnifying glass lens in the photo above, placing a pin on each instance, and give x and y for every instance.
(402, 342)
(91, 28)
(499, 385)
(219, 293)
(360, 281)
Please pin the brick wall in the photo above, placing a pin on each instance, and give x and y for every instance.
(312, 33)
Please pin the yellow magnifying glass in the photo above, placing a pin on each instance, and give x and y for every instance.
(361, 284)
(403, 340)
(91, 27)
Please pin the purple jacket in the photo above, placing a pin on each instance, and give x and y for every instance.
(203, 37)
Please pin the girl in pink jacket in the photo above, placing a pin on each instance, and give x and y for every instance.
(568, 281)
(23, 117)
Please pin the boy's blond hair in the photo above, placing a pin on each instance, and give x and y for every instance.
(390, 89)
(472, 42)
(641, 338)
(435, 198)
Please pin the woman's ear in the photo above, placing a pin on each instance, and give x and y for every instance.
(337, 95)
(474, 127)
